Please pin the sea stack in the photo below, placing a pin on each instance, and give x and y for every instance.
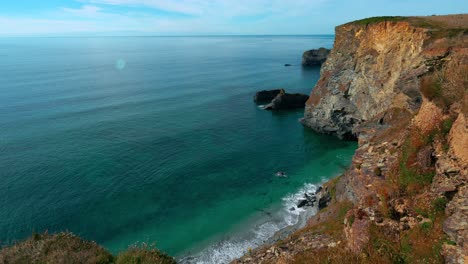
(267, 95)
(285, 101)
(315, 57)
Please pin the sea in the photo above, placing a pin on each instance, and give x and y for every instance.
(157, 140)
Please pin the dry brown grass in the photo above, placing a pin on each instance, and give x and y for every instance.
(66, 248)
(448, 21)
(446, 86)
(58, 248)
(144, 254)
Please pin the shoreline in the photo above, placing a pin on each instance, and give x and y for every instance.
(262, 231)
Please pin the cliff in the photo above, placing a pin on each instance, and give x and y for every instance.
(398, 85)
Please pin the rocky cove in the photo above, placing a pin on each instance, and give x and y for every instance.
(397, 85)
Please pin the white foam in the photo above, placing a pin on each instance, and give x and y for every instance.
(231, 248)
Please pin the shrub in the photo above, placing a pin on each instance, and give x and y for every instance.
(372, 20)
(144, 254)
(439, 204)
(426, 227)
(57, 248)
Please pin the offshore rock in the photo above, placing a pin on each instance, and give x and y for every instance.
(315, 57)
(398, 86)
(287, 101)
(267, 95)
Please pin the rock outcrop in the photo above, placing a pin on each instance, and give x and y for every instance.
(399, 86)
(284, 101)
(267, 95)
(315, 57)
(280, 100)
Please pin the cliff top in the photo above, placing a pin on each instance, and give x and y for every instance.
(459, 21)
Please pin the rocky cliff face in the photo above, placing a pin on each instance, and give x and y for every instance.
(371, 69)
(399, 86)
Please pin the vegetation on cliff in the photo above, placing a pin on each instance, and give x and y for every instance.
(399, 86)
(68, 248)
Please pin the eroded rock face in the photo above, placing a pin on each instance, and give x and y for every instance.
(369, 70)
(372, 88)
(315, 57)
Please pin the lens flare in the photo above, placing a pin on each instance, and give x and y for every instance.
(120, 64)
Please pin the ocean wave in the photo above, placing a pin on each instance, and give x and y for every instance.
(234, 247)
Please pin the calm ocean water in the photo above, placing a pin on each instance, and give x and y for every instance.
(156, 139)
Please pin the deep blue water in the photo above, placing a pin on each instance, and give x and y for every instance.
(153, 139)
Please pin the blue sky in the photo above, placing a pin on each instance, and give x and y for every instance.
(201, 17)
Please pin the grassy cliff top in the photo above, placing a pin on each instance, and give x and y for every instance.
(447, 26)
(459, 21)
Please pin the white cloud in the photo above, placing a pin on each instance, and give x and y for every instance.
(209, 17)
(219, 7)
(86, 10)
(186, 7)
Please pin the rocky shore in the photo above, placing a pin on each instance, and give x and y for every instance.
(397, 85)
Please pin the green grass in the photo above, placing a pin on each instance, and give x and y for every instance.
(144, 254)
(439, 204)
(446, 126)
(372, 20)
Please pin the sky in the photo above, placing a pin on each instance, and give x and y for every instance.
(202, 17)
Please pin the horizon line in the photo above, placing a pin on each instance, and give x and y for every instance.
(155, 36)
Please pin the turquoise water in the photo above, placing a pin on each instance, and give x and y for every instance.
(153, 139)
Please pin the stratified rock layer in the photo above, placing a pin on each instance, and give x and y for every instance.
(399, 86)
(368, 70)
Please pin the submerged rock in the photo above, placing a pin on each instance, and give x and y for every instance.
(308, 200)
(315, 57)
(267, 95)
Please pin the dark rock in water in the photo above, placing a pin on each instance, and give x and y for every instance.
(287, 101)
(318, 190)
(267, 95)
(315, 57)
(292, 209)
(302, 203)
(324, 201)
(287, 65)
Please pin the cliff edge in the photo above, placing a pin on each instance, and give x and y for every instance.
(398, 85)
(377, 64)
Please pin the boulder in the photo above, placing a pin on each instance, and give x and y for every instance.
(324, 201)
(302, 203)
(315, 57)
(267, 95)
(287, 101)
